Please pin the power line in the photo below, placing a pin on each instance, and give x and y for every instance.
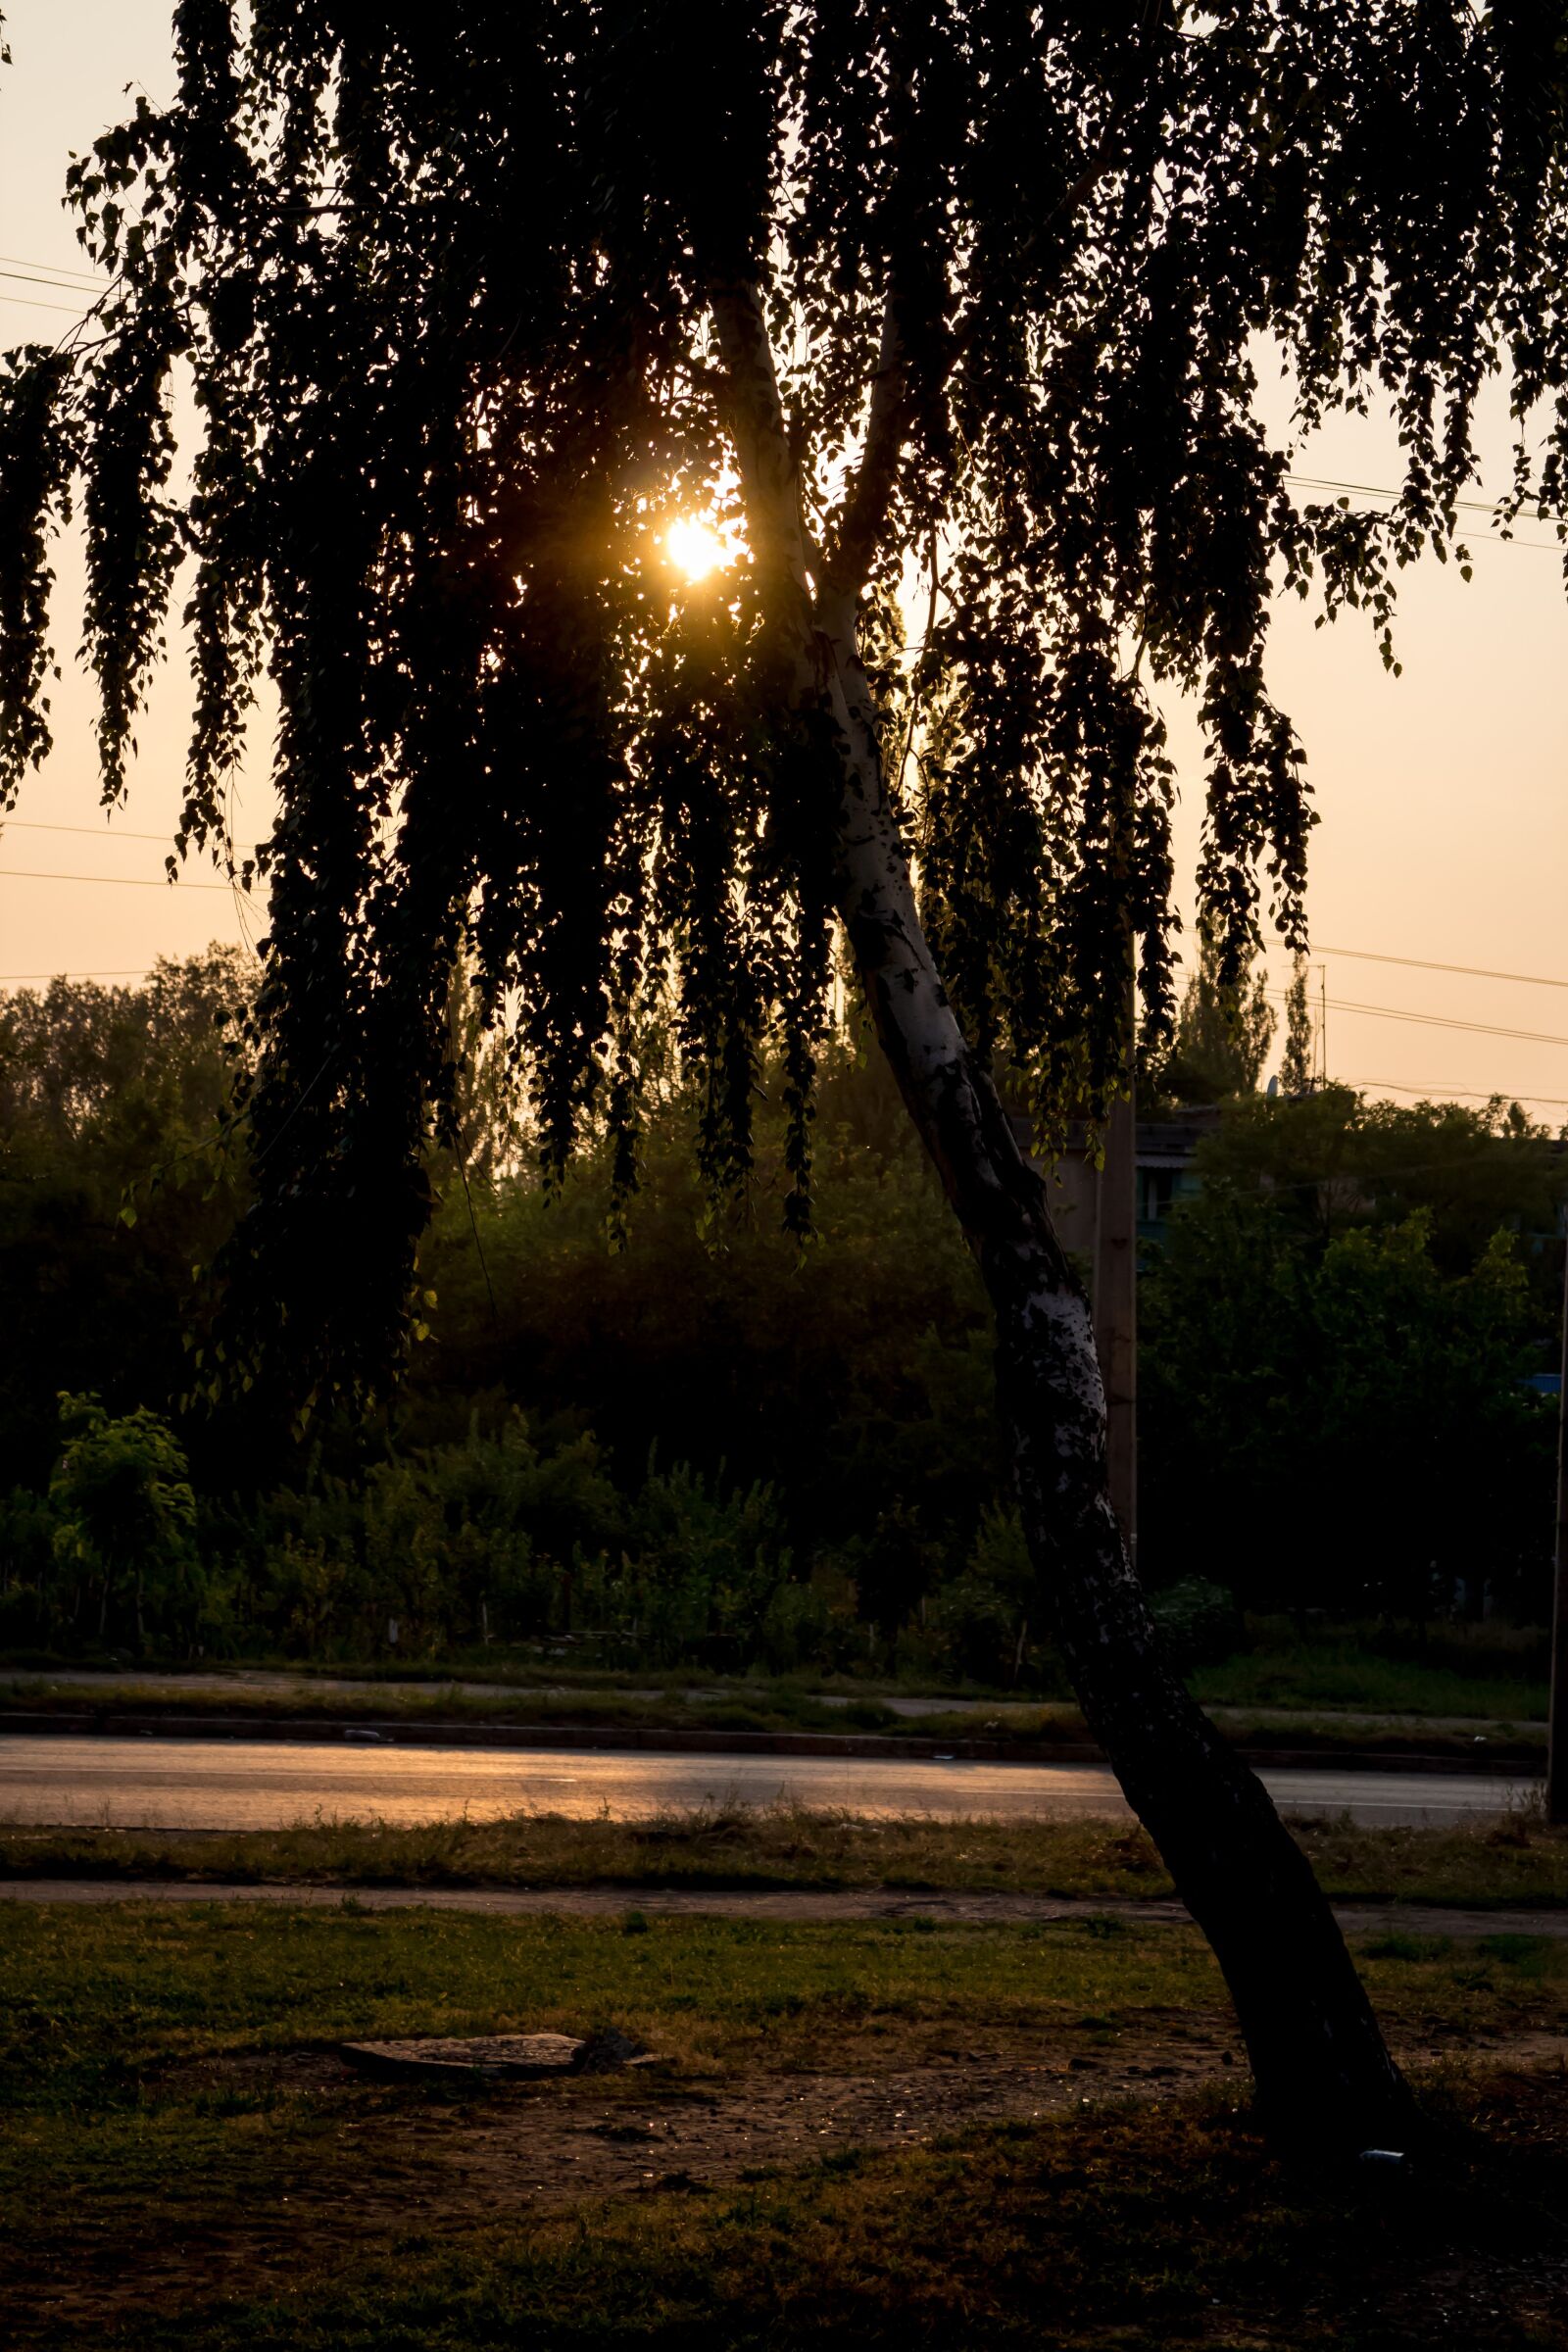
(22, 824)
(129, 971)
(1476, 1094)
(27, 302)
(55, 271)
(31, 277)
(1417, 963)
(1431, 1020)
(1435, 1020)
(21, 873)
(1472, 506)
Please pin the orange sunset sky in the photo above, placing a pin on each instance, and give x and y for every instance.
(1444, 829)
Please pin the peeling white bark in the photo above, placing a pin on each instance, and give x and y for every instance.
(1319, 2059)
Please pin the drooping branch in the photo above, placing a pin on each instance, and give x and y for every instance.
(853, 552)
(754, 416)
(490, 242)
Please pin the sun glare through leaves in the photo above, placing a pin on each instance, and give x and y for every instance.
(696, 548)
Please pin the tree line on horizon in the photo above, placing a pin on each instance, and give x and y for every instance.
(722, 1447)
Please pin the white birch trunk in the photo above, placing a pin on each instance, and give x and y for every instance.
(1322, 2070)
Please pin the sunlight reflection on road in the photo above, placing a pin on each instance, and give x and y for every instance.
(269, 1784)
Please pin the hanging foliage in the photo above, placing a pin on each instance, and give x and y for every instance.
(442, 284)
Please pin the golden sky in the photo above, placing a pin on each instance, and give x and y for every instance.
(1444, 824)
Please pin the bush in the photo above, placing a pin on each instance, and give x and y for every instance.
(506, 1537)
(978, 1624)
(26, 1554)
(125, 1520)
(1199, 1622)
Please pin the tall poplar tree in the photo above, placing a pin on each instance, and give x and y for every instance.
(956, 305)
(1224, 1027)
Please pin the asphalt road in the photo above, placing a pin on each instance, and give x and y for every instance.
(259, 1785)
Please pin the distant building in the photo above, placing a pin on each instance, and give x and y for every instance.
(1165, 1174)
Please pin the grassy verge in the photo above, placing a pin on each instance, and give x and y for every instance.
(1514, 1859)
(167, 2179)
(1313, 1677)
(780, 1708)
(777, 1708)
(1488, 1672)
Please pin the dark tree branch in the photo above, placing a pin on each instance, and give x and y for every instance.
(850, 558)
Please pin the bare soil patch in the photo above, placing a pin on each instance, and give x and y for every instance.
(424, 2164)
(405, 2171)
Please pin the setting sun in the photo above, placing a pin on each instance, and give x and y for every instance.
(695, 548)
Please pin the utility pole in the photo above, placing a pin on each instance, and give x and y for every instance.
(1323, 1024)
(1116, 1293)
(1558, 1723)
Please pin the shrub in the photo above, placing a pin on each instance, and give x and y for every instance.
(1199, 1622)
(125, 1521)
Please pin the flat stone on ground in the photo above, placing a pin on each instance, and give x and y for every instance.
(452, 2057)
(516, 2054)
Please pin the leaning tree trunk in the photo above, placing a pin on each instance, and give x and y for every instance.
(1324, 2075)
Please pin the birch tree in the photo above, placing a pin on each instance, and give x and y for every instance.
(950, 309)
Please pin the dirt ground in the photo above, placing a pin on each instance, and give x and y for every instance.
(408, 2167)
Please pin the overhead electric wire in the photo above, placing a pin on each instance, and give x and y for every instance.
(1497, 1093)
(58, 271)
(21, 873)
(126, 971)
(27, 302)
(24, 825)
(1418, 963)
(37, 277)
(17, 271)
(1432, 1021)
(1473, 506)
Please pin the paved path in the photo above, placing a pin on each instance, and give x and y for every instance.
(760, 1903)
(267, 1784)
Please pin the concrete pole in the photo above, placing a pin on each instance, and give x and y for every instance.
(1557, 1731)
(1116, 1307)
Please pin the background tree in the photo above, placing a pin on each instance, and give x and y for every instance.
(1340, 1428)
(1333, 1162)
(1223, 1030)
(1299, 1063)
(112, 1188)
(473, 316)
(124, 1519)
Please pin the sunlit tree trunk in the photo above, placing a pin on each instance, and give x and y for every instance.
(1323, 2073)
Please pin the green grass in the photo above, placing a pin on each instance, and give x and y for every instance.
(1316, 1676)
(100, 2000)
(1164, 2225)
(756, 1709)
(1255, 1727)
(1512, 1859)
(1488, 1674)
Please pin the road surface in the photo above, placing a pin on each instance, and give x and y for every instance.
(269, 1785)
